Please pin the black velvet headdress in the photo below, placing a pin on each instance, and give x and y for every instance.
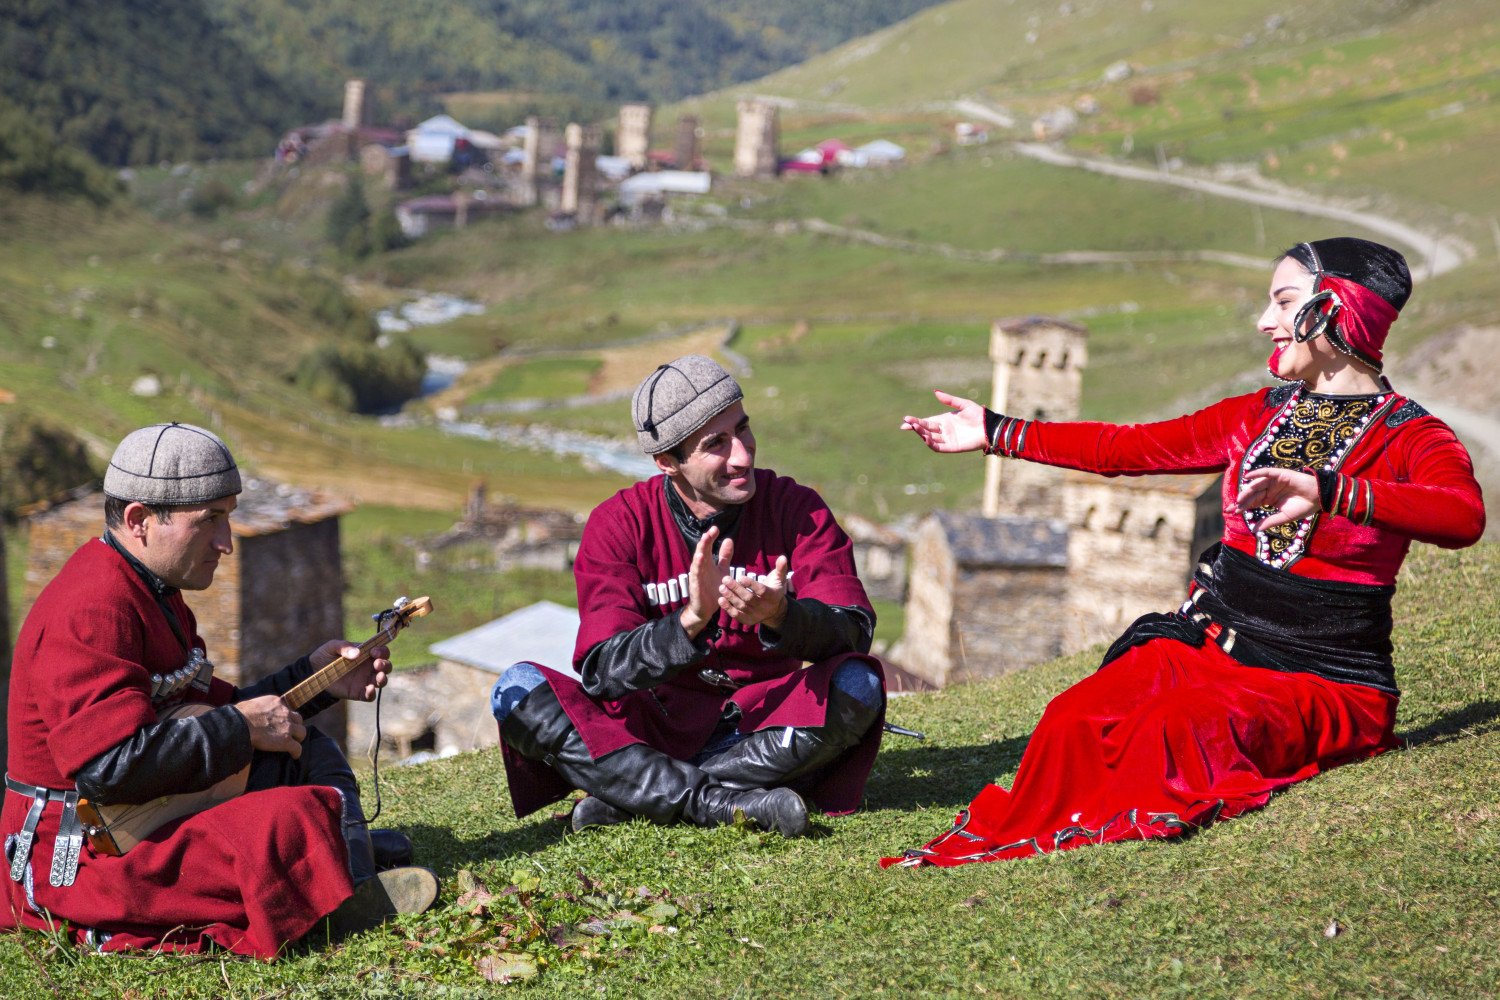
(1373, 265)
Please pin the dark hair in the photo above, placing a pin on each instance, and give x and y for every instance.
(114, 511)
(1374, 265)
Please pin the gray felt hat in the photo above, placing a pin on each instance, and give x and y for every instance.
(678, 398)
(171, 464)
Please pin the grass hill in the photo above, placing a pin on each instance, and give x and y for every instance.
(1358, 98)
(1376, 879)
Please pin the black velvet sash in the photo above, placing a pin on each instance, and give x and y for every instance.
(1341, 631)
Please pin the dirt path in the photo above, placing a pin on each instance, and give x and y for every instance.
(1436, 253)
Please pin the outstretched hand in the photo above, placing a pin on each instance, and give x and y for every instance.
(1294, 494)
(960, 430)
(750, 601)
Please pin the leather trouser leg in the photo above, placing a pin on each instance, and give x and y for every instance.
(640, 780)
(776, 756)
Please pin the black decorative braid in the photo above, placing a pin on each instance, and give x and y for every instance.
(1328, 482)
(1409, 410)
(1316, 429)
(1278, 396)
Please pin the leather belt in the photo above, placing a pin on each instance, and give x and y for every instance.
(69, 843)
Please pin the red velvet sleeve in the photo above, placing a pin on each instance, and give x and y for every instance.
(1198, 442)
(1422, 487)
(822, 556)
(611, 591)
(96, 693)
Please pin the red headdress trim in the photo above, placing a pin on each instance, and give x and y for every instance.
(1364, 321)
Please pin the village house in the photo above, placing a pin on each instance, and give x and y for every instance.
(503, 535)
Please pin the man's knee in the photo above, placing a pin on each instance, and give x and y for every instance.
(518, 681)
(859, 681)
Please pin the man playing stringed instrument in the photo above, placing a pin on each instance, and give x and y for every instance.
(104, 664)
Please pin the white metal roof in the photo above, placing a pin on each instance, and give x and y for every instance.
(543, 632)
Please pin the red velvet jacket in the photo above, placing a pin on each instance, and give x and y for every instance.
(1407, 478)
(632, 568)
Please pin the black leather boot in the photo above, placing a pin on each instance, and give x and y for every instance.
(772, 757)
(594, 811)
(392, 849)
(640, 780)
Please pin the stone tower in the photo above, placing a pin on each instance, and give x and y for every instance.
(757, 139)
(633, 140)
(1039, 365)
(536, 157)
(354, 104)
(580, 173)
(687, 150)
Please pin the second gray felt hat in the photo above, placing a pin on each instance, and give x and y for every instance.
(678, 398)
(171, 464)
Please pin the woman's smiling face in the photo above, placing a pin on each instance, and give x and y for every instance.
(1291, 287)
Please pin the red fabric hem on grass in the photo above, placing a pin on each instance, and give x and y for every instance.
(1166, 739)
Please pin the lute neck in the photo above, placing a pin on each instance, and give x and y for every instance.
(326, 677)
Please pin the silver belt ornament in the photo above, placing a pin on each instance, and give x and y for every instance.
(69, 843)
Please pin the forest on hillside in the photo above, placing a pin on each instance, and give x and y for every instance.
(140, 81)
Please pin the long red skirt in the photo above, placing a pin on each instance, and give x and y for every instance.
(1163, 740)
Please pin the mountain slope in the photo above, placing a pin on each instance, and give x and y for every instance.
(135, 81)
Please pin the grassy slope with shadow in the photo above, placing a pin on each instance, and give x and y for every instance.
(1397, 850)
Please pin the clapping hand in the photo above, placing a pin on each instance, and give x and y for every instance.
(750, 601)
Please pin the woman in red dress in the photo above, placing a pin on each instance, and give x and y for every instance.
(1278, 666)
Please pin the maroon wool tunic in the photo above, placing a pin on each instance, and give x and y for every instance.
(250, 874)
(632, 568)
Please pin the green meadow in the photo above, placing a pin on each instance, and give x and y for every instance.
(1376, 879)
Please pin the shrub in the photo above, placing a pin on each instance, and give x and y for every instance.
(363, 378)
(210, 198)
(32, 160)
(37, 461)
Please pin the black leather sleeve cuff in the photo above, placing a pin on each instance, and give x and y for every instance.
(644, 657)
(814, 631)
(169, 758)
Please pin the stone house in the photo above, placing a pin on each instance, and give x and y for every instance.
(879, 557)
(987, 596)
(534, 538)
(1132, 544)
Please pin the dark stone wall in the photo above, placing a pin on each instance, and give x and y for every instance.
(291, 597)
